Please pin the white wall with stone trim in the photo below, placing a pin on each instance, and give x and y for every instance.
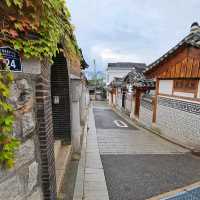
(119, 101)
(128, 103)
(145, 116)
(179, 125)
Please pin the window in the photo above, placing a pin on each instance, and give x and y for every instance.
(186, 85)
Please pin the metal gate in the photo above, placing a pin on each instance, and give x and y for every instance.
(60, 99)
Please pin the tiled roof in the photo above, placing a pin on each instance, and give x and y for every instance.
(192, 39)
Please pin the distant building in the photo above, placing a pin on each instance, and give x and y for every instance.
(121, 69)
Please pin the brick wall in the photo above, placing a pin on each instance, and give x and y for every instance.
(45, 132)
(179, 120)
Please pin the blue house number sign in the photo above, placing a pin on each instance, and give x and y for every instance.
(12, 58)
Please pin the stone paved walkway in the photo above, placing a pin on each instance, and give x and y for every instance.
(90, 184)
(137, 164)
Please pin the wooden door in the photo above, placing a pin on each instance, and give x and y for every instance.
(60, 99)
(137, 103)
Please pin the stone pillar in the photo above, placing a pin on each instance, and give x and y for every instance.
(110, 98)
(132, 115)
(87, 97)
(83, 105)
(75, 123)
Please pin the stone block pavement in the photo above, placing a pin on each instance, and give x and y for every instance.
(118, 163)
(90, 182)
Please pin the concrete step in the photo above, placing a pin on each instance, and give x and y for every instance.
(63, 158)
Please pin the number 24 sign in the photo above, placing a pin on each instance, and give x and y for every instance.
(12, 58)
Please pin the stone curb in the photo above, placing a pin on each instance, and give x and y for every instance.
(90, 180)
(79, 185)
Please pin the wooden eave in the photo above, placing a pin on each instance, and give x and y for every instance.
(183, 62)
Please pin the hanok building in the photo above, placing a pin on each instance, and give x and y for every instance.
(128, 87)
(115, 90)
(120, 70)
(47, 98)
(176, 112)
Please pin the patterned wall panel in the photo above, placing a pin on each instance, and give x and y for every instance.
(146, 103)
(179, 120)
(180, 105)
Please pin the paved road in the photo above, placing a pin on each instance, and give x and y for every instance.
(139, 164)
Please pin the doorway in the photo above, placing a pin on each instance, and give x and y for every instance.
(60, 99)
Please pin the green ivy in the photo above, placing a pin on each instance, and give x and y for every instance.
(54, 26)
(8, 143)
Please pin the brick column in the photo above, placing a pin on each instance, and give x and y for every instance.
(45, 132)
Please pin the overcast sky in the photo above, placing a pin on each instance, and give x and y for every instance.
(130, 30)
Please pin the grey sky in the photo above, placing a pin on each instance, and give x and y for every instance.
(130, 30)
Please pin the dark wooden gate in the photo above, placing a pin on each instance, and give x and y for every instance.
(123, 99)
(137, 103)
(60, 99)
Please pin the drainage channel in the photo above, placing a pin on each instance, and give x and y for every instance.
(192, 194)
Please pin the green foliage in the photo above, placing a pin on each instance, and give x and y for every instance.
(8, 144)
(51, 24)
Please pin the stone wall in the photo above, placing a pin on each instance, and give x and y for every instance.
(179, 120)
(22, 182)
(146, 114)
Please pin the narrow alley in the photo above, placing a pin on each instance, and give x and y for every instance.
(137, 164)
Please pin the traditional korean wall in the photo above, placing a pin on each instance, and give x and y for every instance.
(22, 181)
(146, 113)
(128, 104)
(179, 120)
(119, 98)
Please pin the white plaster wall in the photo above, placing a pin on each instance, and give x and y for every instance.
(198, 95)
(146, 116)
(119, 101)
(114, 99)
(165, 86)
(128, 103)
(183, 94)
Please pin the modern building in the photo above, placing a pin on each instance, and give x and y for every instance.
(121, 69)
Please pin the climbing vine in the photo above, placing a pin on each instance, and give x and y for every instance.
(35, 28)
(8, 144)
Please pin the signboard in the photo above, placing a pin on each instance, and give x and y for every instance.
(12, 58)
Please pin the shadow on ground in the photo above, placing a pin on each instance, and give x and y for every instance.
(67, 189)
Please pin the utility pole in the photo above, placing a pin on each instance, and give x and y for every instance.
(95, 77)
(95, 74)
